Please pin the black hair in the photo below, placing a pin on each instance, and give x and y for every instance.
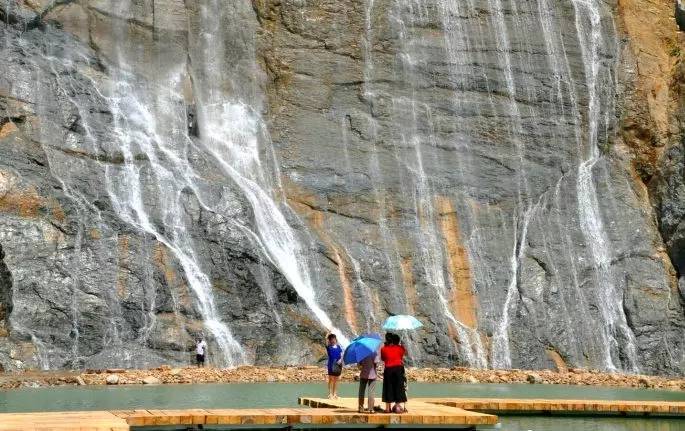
(395, 339)
(331, 337)
(389, 337)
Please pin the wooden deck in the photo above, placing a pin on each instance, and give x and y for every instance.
(419, 413)
(62, 421)
(511, 406)
(504, 406)
(344, 412)
(455, 412)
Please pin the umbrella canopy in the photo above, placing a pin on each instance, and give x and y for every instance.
(401, 322)
(361, 348)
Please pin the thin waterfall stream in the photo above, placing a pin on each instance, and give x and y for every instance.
(610, 301)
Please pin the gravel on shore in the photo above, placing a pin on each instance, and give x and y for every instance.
(310, 374)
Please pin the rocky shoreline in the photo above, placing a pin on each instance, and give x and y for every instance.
(310, 374)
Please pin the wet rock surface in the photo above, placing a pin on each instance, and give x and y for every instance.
(421, 142)
(431, 161)
(85, 288)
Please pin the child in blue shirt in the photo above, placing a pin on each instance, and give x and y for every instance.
(334, 352)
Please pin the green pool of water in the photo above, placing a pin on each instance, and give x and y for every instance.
(285, 395)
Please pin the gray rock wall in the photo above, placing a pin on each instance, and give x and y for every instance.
(459, 162)
(669, 193)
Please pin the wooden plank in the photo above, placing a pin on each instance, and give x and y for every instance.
(418, 410)
(429, 411)
(43, 421)
(554, 405)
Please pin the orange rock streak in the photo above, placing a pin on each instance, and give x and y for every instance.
(463, 301)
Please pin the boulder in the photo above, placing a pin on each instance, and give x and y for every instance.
(151, 380)
(112, 379)
(533, 378)
(644, 382)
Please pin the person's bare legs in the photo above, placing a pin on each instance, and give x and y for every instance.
(388, 409)
(330, 387)
(334, 386)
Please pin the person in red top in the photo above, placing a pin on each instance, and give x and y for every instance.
(392, 354)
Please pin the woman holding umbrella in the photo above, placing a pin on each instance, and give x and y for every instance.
(392, 354)
(394, 391)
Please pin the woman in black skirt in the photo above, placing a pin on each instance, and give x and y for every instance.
(394, 390)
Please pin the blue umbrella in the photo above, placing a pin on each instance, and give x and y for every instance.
(401, 322)
(361, 348)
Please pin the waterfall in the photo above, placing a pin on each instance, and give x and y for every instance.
(458, 42)
(233, 133)
(149, 120)
(501, 354)
(391, 253)
(69, 182)
(277, 238)
(149, 189)
(566, 93)
(610, 301)
(412, 118)
(140, 131)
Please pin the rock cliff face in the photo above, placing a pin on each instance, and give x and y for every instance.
(512, 173)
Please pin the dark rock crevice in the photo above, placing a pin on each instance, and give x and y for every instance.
(5, 295)
(331, 210)
(16, 120)
(680, 14)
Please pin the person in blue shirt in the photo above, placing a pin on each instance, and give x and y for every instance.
(334, 352)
